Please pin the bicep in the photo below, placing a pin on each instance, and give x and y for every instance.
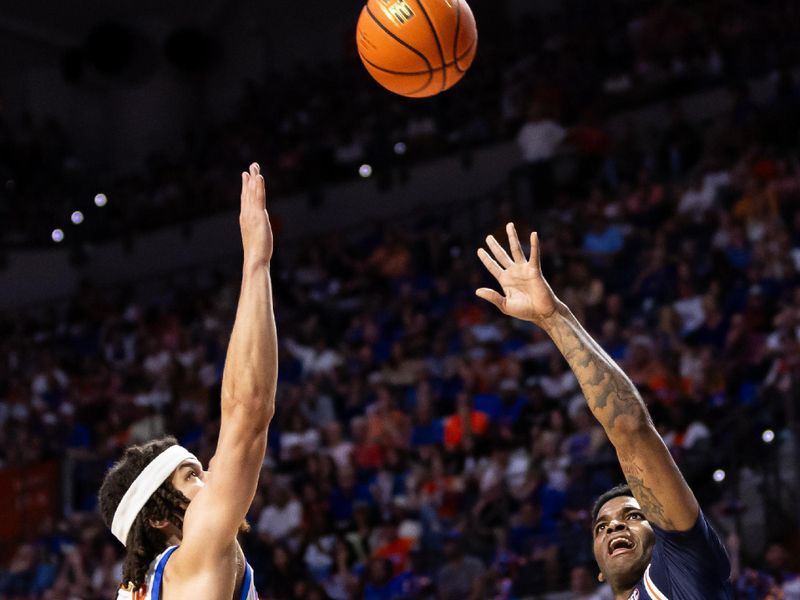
(656, 482)
(215, 514)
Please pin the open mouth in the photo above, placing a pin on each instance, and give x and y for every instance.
(620, 545)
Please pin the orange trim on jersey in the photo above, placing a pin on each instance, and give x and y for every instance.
(651, 588)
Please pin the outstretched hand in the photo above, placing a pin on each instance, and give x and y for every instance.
(254, 220)
(526, 293)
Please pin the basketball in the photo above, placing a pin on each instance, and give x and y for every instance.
(417, 48)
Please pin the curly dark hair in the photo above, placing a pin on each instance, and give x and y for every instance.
(144, 542)
(615, 492)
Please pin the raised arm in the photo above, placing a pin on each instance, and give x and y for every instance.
(653, 476)
(248, 393)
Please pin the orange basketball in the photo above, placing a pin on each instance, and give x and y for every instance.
(417, 48)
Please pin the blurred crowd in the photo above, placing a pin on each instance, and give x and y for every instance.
(323, 124)
(424, 445)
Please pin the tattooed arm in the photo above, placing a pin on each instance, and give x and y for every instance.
(653, 476)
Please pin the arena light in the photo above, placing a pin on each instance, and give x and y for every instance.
(100, 200)
(400, 148)
(76, 217)
(768, 436)
(719, 475)
(365, 171)
(57, 236)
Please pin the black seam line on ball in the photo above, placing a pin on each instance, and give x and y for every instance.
(438, 42)
(414, 50)
(391, 72)
(455, 37)
(414, 91)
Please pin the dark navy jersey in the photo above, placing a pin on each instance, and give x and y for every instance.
(686, 565)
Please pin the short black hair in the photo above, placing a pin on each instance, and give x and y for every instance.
(622, 489)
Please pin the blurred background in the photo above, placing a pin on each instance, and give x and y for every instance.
(424, 446)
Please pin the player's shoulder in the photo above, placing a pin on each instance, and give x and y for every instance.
(191, 558)
(699, 539)
(689, 565)
(207, 580)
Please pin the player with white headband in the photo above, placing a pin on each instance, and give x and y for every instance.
(178, 522)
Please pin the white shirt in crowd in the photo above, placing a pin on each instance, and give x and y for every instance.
(539, 140)
(698, 200)
(158, 363)
(791, 589)
(308, 440)
(556, 386)
(341, 453)
(279, 522)
(695, 432)
(314, 361)
(691, 312)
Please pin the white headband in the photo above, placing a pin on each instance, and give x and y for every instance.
(148, 481)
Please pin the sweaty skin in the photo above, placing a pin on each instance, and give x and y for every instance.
(658, 486)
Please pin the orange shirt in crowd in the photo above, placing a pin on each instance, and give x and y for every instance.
(397, 551)
(454, 427)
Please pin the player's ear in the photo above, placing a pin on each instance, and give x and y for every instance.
(600, 577)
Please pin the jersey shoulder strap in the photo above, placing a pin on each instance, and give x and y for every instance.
(248, 586)
(155, 583)
(151, 589)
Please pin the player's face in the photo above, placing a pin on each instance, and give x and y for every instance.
(623, 542)
(189, 478)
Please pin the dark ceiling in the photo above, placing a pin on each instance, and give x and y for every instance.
(64, 22)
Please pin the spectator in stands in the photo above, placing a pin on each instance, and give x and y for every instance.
(395, 375)
(539, 139)
(462, 576)
(584, 586)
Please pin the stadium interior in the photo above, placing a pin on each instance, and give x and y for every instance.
(655, 147)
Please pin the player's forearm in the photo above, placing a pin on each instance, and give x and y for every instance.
(251, 365)
(651, 473)
(611, 396)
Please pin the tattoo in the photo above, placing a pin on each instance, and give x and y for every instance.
(651, 507)
(609, 392)
(613, 399)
